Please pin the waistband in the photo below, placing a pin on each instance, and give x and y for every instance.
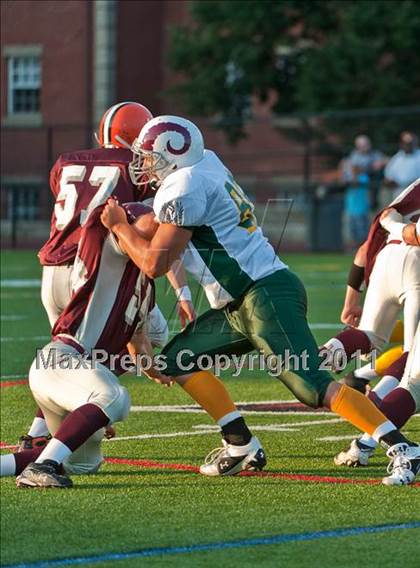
(67, 340)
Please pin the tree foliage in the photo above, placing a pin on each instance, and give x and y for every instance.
(314, 55)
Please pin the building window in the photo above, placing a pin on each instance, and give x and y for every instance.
(22, 202)
(24, 84)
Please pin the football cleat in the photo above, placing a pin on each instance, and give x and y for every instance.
(404, 464)
(354, 382)
(45, 474)
(31, 443)
(356, 455)
(231, 460)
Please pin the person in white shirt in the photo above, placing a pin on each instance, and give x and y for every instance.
(404, 167)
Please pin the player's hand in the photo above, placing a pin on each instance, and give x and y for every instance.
(351, 314)
(157, 377)
(386, 212)
(186, 312)
(110, 432)
(113, 214)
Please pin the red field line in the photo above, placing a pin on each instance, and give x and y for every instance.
(150, 464)
(13, 383)
(290, 476)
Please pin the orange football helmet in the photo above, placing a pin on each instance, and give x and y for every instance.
(121, 124)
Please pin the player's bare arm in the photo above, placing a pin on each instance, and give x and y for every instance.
(178, 281)
(140, 345)
(153, 257)
(352, 309)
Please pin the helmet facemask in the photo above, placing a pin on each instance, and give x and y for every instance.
(147, 166)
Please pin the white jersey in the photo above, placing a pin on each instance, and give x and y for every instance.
(228, 251)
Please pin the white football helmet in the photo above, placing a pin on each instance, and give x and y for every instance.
(166, 143)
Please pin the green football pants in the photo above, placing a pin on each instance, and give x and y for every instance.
(270, 317)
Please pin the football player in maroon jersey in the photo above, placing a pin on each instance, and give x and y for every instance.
(80, 181)
(74, 378)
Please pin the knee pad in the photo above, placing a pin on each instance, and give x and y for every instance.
(82, 468)
(88, 458)
(412, 385)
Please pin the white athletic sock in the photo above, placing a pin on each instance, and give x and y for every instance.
(382, 430)
(334, 344)
(366, 372)
(387, 384)
(38, 428)
(368, 441)
(7, 465)
(228, 418)
(55, 450)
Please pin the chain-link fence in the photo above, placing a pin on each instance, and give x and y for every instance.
(289, 167)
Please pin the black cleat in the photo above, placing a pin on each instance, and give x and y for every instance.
(45, 474)
(31, 443)
(355, 382)
(231, 460)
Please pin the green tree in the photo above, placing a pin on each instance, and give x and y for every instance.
(314, 55)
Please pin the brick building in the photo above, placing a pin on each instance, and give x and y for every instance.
(64, 63)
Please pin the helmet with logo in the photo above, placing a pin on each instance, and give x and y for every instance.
(165, 144)
(121, 123)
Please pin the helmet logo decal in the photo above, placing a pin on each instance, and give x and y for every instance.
(163, 127)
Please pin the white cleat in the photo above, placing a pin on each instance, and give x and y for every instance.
(356, 455)
(231, 460)
(404, 464)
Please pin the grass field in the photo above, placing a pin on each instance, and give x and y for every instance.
(150, 499)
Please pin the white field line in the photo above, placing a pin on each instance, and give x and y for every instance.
(282, 425)
(36, 282)
(14, 376)
(210, 429)
(147, 436)
(20, 283)
(192, 433)
(32, 338)
(19, 295)
(195, 410)
(337, 438)
(12, 317)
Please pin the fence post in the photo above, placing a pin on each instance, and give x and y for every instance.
(14, 217)
(307, 176)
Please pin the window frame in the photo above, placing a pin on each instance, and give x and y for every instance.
(20, 119)
(13, 86)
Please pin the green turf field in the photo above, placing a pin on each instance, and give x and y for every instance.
(142, 504)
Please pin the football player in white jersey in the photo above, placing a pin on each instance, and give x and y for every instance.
(256, 302)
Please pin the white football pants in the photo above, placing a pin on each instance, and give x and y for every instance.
(411, 377)
(55, 290)
(394, 284)
(60, 384)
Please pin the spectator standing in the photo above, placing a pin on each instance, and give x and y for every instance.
(369, 161)
(356, 203)
(404, 167)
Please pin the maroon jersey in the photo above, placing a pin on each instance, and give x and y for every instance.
(110, 294)
(80, 182)
(408, 204)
